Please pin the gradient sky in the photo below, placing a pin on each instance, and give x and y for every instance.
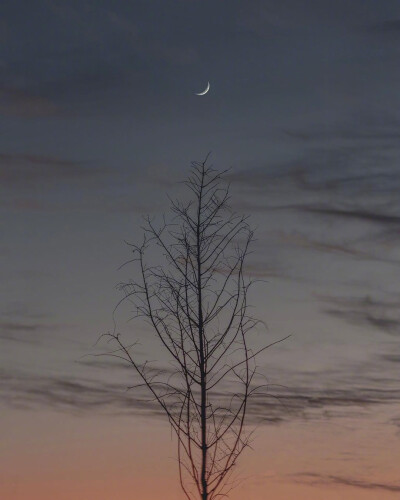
(98, 122)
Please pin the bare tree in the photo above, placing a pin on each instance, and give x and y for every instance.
(196, 304)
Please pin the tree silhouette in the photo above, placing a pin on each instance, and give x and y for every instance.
(196, 303)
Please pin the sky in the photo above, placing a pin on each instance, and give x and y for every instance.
(99, 121)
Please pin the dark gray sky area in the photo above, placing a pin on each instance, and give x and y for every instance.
(99, 120)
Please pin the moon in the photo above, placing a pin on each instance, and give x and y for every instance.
(205, 91)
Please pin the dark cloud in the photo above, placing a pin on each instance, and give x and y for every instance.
(340, 171)
(19, 327)
(373, 132)
(337, 195)
(263, 270)
(272, 18)
(364, 311)
(25, 332)
(22, 324)
(301, 240)
(351, 165)
(391, 358)
(272, 405)
(391, 326)
(20, 103)
(102, 364)
(22, 311)
(40, 182)
(318, 403)
(113, 60)
(315, 479)
(21, 169)
(70, 394)
(389, 27)
(349, 213)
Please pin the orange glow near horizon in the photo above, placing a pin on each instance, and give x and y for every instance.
(122, 459)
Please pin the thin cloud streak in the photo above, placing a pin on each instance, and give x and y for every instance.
(389, 27)
(365, 311)
(22, 104)
(332, 398)
(349, 213)
(72, 395)
(23, 331)
(315, 479)
(20, 170)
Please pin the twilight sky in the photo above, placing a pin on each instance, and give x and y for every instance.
(98, 122)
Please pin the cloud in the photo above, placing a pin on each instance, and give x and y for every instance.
(102, 61)
(114, 27)
(365, 311)
(33, 182)
(348, 390)
(267, 19)
(300, 402)
(335, 194)
(21, 103)
(349, 213)
(391, 358)
(315, 479)
(106, 364)
(40, 182)
(23, 331)
(19, 327)
(86, 395)
(20, 310)
(301, 240)
(372, 132)
(19, 323)
(357, 157)
(265, 270)
(391, 26)
(20, 169)
(339, 393)
(28, 391)
(339, 171)
(391, 326)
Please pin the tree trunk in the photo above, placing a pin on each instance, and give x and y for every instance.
(203, 368)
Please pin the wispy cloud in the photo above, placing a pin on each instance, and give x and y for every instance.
(391, 358)
(391, 26)
(326, 403)
(301, 240)
(25, 104)
(19, 169)
(335, 195)
(28, 391)
(24, 331)
(365, 311)
(36, 182)
(330, 398)
(315, 479)
(349, 213)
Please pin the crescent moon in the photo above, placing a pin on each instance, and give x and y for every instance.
(205, 91)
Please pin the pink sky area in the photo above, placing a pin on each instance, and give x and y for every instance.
(70, 457)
